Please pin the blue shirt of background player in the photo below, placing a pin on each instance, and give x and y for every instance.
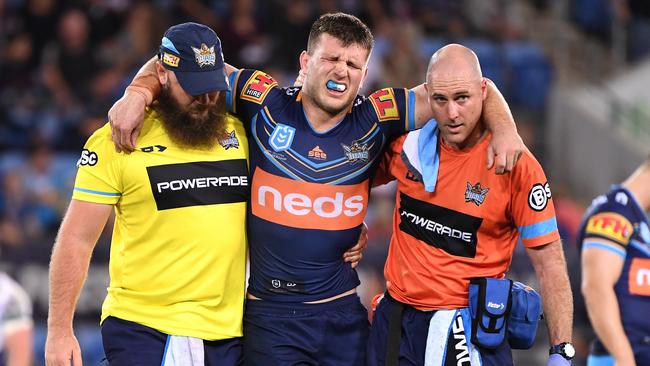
(618, 217)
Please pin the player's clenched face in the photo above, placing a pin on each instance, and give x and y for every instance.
(334, 73)
(457, 101)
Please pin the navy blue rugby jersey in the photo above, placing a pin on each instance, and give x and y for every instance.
(617, 217)
(309, 190)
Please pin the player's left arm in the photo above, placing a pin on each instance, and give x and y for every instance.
(550, 267)
(506, 146)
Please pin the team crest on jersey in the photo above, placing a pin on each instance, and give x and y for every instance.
(475, 193)
(171, 60)
(229, 139)
(205, 56)
(317, 153)
(385, 104)
(282, 137)
(257, 87)
(356, 152)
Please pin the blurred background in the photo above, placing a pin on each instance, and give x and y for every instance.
(575, 73)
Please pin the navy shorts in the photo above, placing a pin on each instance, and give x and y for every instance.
(129, 343)
(415, 330)
(291, 334)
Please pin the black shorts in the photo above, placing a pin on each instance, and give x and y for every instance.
(133, 344)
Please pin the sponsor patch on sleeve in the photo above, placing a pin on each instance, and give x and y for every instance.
(87, 158)
(257, 87)
(385, 104)
(610, 225)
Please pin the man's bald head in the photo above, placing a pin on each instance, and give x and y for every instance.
(456, 93)
(454, 61)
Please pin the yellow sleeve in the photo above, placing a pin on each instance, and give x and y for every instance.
(98, 170)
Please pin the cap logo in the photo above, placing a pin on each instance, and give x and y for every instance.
(204, 55)
(171, 60)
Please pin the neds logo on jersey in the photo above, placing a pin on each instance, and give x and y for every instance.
(307, 205)
(199, 183)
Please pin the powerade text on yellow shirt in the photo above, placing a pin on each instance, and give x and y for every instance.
(178, 250)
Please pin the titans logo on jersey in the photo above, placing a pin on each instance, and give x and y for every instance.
(618, 218)
(309, 190)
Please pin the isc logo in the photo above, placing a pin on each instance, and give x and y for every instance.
(308, 205)
(87, 158)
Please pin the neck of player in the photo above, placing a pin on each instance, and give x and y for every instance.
(638, 184)
(319, 119)
(470, 141)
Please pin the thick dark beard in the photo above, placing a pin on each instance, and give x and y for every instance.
(191, 127)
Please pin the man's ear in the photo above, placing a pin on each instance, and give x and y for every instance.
(304, 60)
(484, 88)
(162, 73)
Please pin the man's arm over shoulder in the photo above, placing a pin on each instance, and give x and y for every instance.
(388, 164)
(393, 109)
(127, 114)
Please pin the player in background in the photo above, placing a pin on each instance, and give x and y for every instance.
(16, 325)
(615, 241)
(454, 221)
(313, 153)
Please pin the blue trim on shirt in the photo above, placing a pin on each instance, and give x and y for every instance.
(316, 132)
(640, 246)
(230, 94)
(110, 194)
(411, 110)
(538, 229)
(618, 251)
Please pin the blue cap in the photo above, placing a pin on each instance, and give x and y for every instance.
(193, 52)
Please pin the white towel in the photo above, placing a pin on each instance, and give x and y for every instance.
(442, 324)
(183, 351)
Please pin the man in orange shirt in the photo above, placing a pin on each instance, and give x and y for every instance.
(466, 228)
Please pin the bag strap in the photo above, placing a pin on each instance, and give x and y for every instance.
(394, 331)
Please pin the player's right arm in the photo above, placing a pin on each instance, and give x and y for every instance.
(127, 114)
(602, 263)
(80, 229)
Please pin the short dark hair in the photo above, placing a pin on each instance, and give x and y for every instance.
(344, 27)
